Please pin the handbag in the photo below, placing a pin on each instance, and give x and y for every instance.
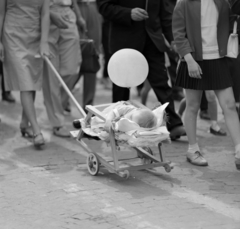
(90, 58)
(233, 45)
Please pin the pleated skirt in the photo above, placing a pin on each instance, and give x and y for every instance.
(216, 75)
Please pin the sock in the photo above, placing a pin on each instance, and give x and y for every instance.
(193, 148)
(215, 126)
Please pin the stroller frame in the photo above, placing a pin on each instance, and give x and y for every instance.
(94, 160)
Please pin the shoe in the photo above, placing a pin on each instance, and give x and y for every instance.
(7, 97)
(204, 115)
(219, 132)
(177, 132)
(237, 163)
(38, 140)
(196, 159)
(26, 132)
(61, 132)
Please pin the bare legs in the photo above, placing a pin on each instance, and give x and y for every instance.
(29, 115)
(227, 103)
(193, 99)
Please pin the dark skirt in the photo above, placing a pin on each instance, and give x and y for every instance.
(216, 75)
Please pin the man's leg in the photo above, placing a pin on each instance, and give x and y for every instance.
(120, 93)
(158, 80)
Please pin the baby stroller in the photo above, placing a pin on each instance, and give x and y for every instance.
(95, 160)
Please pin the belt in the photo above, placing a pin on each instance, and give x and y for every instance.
(86, 1)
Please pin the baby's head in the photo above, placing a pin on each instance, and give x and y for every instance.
(144, 118)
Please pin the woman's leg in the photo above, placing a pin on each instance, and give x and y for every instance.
(213, 113)
(182, 107)
(193, 99)
(227, 103)
(27, 100)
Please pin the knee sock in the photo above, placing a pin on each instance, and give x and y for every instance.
(193, 148)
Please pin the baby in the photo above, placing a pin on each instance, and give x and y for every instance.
(125, 117)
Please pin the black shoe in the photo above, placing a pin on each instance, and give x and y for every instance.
(177, 132)
(219, 132)
(7, 97)
(204, 115)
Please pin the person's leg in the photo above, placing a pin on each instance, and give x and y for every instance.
(89, 88)
(120, 93)
(182, 107)
(204, 108)
(193, 98)
(69, 56)
(213, 113)
(29, 110)
(158, 80)
(227, 103)
(144, 92)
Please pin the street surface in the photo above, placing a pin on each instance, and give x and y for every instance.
(52, 189)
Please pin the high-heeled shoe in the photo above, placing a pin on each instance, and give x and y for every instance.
(38, 140)
(26, 132)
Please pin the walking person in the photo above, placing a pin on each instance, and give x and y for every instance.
(140, 25)
(201, 31)
(65, 48)
(24, 29)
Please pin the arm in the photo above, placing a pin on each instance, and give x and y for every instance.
(180, 38)
(2, 16)
(80, 21)
(111, 10)
(179, 30)
(45, 22)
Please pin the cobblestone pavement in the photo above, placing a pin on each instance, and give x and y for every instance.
(52, 188)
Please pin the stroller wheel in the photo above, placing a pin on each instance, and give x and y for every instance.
(93, 164)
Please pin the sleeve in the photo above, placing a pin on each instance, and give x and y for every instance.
(166, 20)
(236, 7)
(179, 30)
(111, 10)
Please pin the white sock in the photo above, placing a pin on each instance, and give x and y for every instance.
(215, 126)
(193, 148)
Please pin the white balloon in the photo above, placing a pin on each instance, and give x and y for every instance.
(128, 68)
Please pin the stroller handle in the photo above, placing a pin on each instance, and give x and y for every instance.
(65, 86)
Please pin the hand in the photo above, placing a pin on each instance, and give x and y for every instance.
(82, 25)
(138, 14)
(173, 46)
(1, 52)
(59, 20)
(44, 49)
(194, 69)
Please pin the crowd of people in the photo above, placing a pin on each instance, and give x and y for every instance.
(183, 41)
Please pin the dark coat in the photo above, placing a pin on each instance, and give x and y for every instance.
(126, 33)
(187, 27)
(236, 7)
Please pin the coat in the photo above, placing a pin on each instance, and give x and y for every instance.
(126, 33)
(187, 27)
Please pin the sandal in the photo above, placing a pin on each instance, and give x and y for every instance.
(26, 132)
(38, 140)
